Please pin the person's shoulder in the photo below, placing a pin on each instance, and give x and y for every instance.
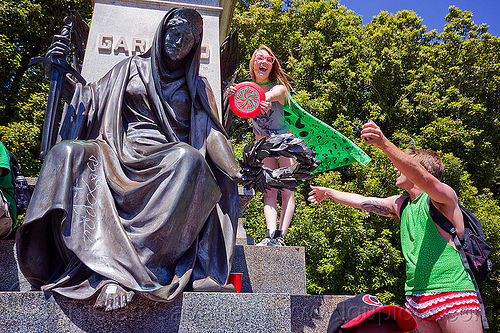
(204, 88)
(279, 86)
(204, 91)
(4, 153)
(4, 160)
(399, 202)
(203, 80)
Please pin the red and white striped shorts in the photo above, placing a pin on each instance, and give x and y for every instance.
(434, 306)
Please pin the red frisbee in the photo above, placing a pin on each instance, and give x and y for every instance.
(245, 102)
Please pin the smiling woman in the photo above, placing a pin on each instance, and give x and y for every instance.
(266, 71)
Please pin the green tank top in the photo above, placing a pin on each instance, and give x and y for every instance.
(432, 264)
(6, 183)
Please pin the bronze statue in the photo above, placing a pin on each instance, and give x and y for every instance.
(139, 195)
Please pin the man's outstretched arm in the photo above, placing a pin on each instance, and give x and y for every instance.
(380, 206)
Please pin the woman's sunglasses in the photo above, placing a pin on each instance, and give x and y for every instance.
(260, 57)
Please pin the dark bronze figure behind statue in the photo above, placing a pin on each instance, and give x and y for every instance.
(140, 195)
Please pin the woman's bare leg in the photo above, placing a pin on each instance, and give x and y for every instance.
(463, 322)
(427, 326)
(287, 200)
(270, 198)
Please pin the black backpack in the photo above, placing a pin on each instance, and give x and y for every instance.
(22, 191)
(474, 248)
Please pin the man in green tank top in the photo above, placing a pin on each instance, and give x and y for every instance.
(439, 291)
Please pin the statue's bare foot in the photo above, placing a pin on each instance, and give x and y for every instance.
(113, 297)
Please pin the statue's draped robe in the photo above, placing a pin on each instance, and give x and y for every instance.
(135, 199)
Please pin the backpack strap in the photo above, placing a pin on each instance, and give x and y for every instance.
(440, 219)
(403, 206)
(15, 167)
(447, 226)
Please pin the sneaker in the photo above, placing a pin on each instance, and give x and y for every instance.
(266, 240)
(278, 241)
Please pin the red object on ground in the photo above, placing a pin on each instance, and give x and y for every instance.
(235, 280)
(245, 102)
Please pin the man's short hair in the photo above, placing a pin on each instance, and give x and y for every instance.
(429, 159)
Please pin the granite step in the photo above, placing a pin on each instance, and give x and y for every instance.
(193, 312)
(265, 269)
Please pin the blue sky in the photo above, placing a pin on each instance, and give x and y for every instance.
(431, 11)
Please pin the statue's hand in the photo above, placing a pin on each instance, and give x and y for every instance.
(57, 49)
(113, 297)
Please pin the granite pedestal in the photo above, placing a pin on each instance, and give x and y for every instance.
(272, 299)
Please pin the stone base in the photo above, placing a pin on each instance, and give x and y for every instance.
(193, 312)
(268, 269)
(11, 278)
(273, 299)
(265, 269)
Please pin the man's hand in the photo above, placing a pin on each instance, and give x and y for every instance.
(318, 194)
(372, 135)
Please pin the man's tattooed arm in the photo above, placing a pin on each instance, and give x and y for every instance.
(377, 207)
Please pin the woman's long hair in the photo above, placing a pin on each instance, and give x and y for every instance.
(276, 75)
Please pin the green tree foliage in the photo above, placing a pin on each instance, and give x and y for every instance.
(434, 91)
(26, 30)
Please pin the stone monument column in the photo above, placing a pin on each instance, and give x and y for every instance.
(123, 28)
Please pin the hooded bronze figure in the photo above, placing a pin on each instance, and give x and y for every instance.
(139, 197)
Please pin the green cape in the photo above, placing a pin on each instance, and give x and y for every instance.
(331, 147)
